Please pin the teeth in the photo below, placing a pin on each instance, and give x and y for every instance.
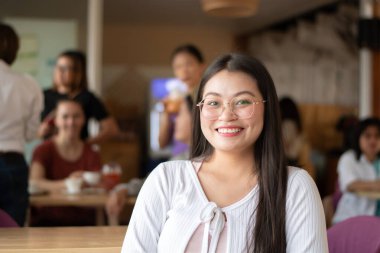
(228, 130)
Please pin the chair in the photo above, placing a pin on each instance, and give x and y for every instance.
(330, 204)
(355, 235)
(6, 221)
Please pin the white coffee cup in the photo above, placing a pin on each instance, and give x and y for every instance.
(91, 177)
(73, 185)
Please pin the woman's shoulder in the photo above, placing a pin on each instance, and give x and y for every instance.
(169, 175)
(172, 170)
(301, 186)
(86, 95)
(349, 155)
(45, 148)
(46, 145)
(298, 177)
(176, 166)
(52, 96)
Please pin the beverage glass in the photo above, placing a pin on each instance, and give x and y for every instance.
(111, 175)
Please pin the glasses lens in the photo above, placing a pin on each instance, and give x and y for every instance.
(65, 68)
(242, 107)
(211, 108)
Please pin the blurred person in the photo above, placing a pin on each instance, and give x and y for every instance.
(117, 198)
(188, 66)
(297, 148)
(236, 193)
(70, 81)
(20, 106)
(359, 170)
(63, 156)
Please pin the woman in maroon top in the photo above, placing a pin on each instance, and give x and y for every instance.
(61, 157)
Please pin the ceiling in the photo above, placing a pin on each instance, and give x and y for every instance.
(160, 12)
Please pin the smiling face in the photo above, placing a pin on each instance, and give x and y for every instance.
(369, 142)
(187, 69)
(228, 132)
(69, 119)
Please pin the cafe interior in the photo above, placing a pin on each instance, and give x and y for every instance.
(323, 56)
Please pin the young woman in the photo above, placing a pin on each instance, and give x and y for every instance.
(236, 193)
(70, 82)
(359, 170)
(188, 65)
(61, 157)
(297, 148)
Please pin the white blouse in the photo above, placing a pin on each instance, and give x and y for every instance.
(172, 205)
(349, 170)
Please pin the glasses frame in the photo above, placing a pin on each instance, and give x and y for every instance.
(201, 103)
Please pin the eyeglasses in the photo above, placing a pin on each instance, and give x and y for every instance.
(66, 68)
(242, 107)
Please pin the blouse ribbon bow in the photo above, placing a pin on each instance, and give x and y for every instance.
(214, 221)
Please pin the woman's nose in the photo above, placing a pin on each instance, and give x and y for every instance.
(227, 114)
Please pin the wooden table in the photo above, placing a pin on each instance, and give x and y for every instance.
(62, 239)
(97, 201)
(370, 195)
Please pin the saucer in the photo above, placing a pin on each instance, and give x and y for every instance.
(93, 190)
(36, 192)
(66, 192)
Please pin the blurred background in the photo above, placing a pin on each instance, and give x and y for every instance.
(321, 53)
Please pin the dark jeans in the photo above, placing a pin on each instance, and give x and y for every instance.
(14, 198)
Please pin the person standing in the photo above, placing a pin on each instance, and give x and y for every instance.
(20, 107)
(297, 147)
(188, 65)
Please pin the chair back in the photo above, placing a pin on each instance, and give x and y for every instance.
(6, 221)
(355, 235)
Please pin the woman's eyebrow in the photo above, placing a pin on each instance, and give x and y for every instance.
(236, 94)
(212, 93)
(245, 92)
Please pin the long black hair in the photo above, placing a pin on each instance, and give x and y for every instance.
(289, 111)
(269, 229)
(362, 126)
(189, 49)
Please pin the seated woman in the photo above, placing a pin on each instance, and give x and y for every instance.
(182, 133)
(297, 148)
(63, 156)
(359, 170)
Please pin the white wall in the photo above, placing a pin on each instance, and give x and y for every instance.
(41, 41)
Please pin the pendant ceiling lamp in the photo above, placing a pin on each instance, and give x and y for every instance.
(230, 8)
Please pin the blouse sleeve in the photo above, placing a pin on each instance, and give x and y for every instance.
(347, 167)
(305, 220)
(149, 213)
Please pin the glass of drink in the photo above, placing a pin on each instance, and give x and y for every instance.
(111, 175)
